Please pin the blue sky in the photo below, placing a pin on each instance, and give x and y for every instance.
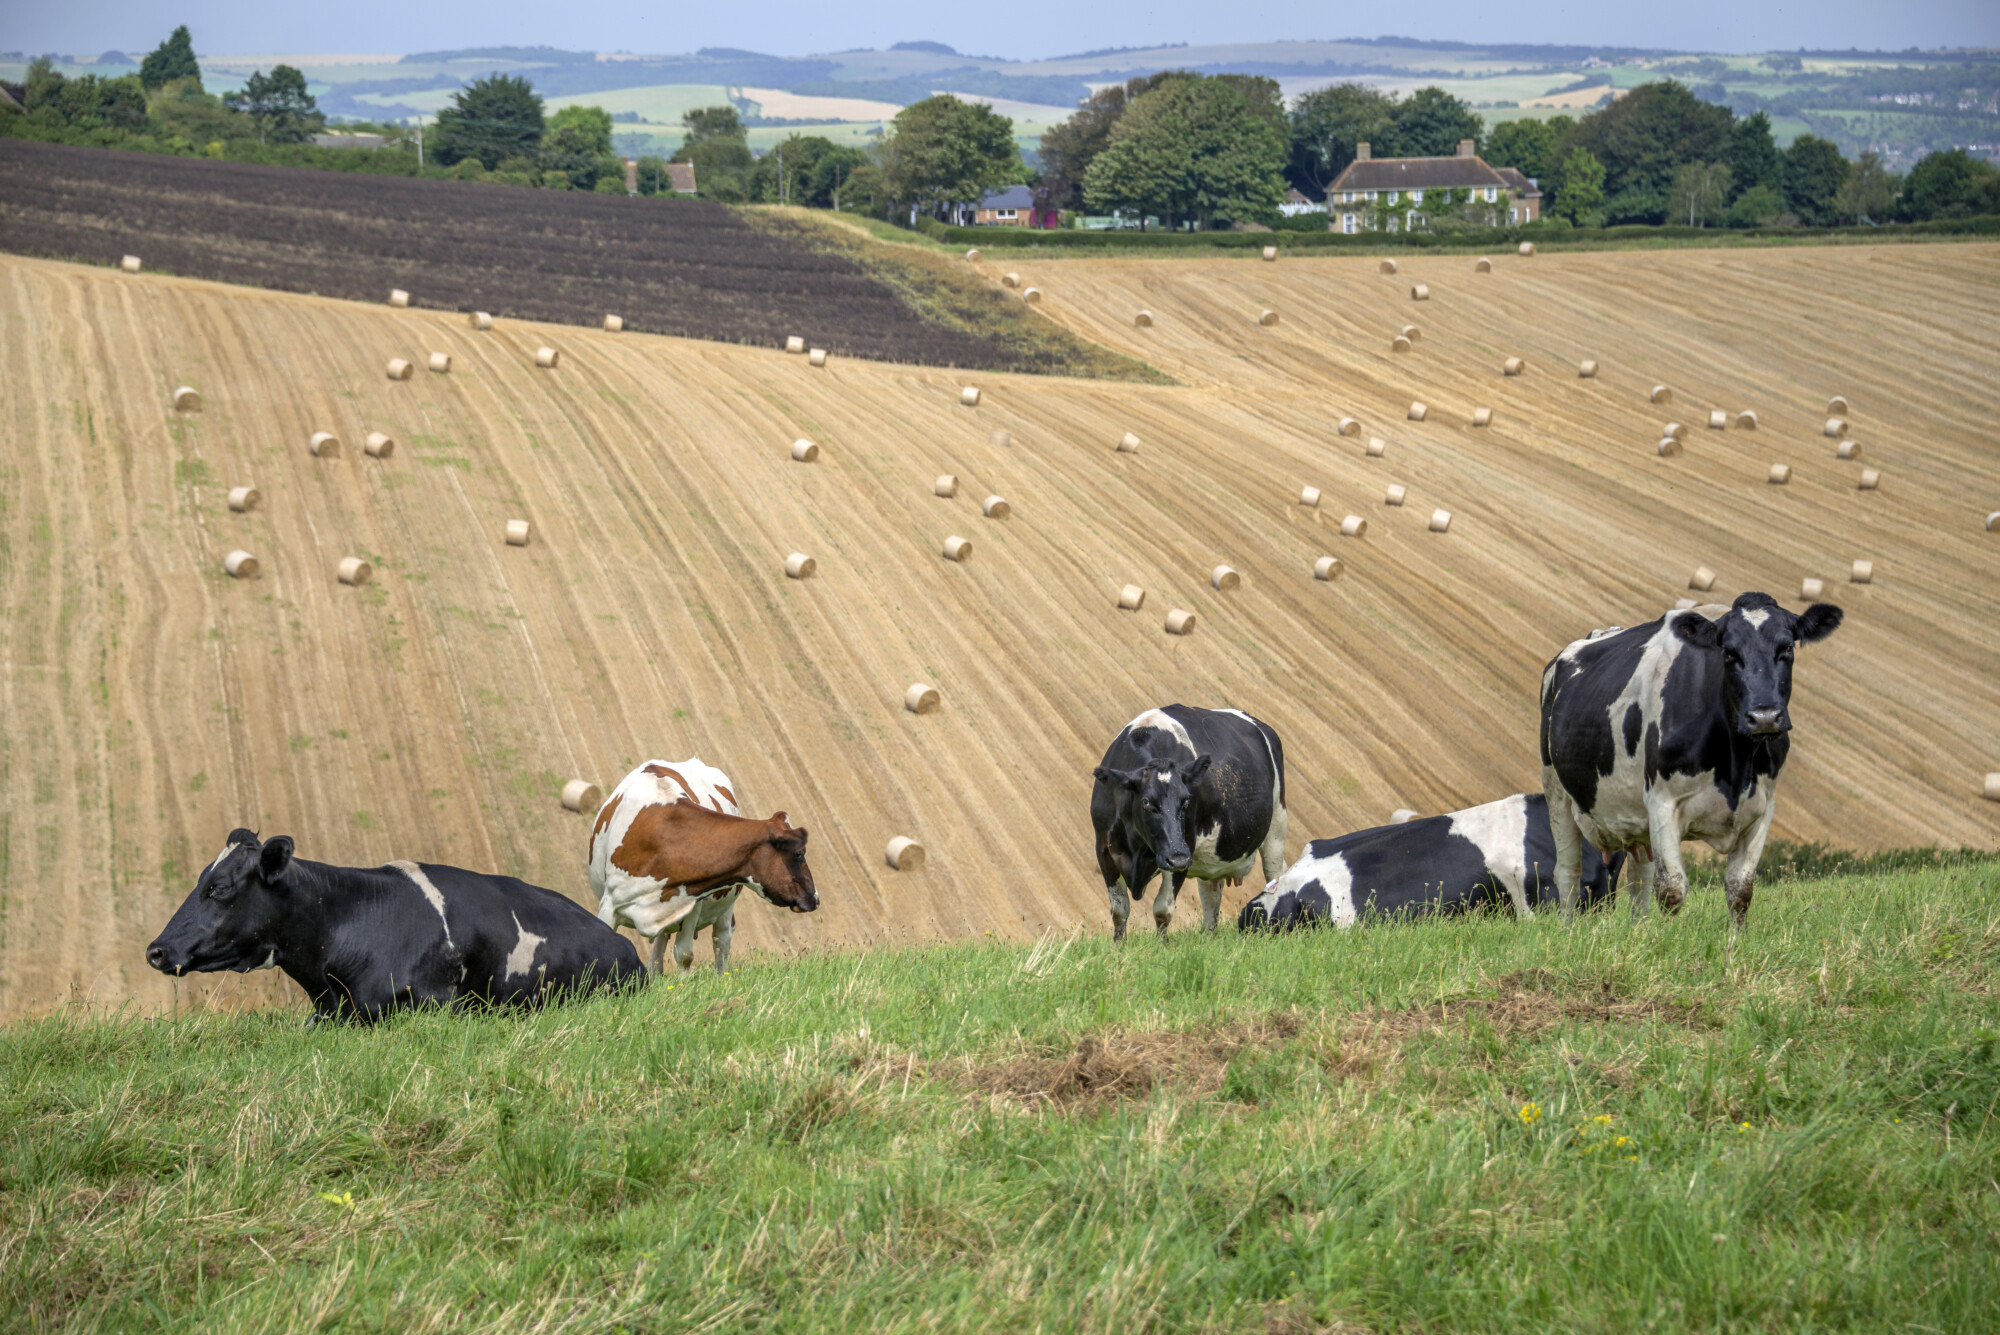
(1019, 29)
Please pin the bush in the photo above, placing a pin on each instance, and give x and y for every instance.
(608, 184)
(1303, 222)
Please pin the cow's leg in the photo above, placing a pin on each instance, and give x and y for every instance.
(660, 951)
(1740, 877)
(1272, 851)
(1121, 907)
(684, 944)
(1211, 904)
(719, 936)
(1163, 902)
(1568, 841)
(1517, 891)
(1669, 874)
(1639, 881)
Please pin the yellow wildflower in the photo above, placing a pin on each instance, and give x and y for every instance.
(1530, 1113)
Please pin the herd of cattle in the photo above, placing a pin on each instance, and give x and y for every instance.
(1672, 730)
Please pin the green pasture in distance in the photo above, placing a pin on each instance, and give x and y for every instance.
(1468, 1124)
(661, 103)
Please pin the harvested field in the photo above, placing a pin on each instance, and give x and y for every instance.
(152, 703)
(668, 266)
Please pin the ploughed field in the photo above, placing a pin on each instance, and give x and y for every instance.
(152, 703)
(668, 266)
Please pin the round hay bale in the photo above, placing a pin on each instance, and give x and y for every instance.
(1399, 344)
(241, 564)
(353, 570)
(1222, 579)
(1309, 497)
(244, 499)
(1746, 420)
(399, 369)
(1414, 334)
(969, 396)
(1482, 265)
(187, 400)
(1993, 787)
(1421, 292)
(1668, 448)
(1702, 580)
(995, 507)
(999, 440)
(1863, 572)
(816, 357)
(1675, 430)
(1870, 480)
(973, 254)
(1375, 447)
(479, 320)
(1395, 494)
(921, 699)
(905, 854)
(1587, 369)
(1847, 449)
(1354, 526)
(1328, 568)
(946, 485)
(1718, 420)
(1129, 444)
(1349, 427)
(1270, 254)
(1811, 589)
(1031, 295)
(1143, 320)
(546, 358)
(804, 451)
(1440, 521)
(1780, 474)
(1993, 521)
(1482, 417)
(398, 297)
(1010, 280)
(441, 362)
(1417, 412)
(614, 324)
(1268, 318)
(324, 445)
(1513, 366)
(1180, 622)
(581, 795)
(957, 549)
(378, 446)
(1131, 598)
(1402, 816)
(800, 566)
(1685, 604)
(1386, 266)
(130, 264)
(793, 343)
(1660, 394)
(1837, 406)
(1835, 427)
(518, 532)
(1527, 247)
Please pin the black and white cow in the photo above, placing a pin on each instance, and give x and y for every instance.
(364, 942)
(1187, 792)
(1500, 852)
(1673, 730)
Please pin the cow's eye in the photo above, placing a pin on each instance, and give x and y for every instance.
(1731, 657)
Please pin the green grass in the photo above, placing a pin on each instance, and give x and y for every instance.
(1470, 1125)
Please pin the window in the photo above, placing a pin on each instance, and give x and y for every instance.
(1347, 223)
(1395, 195)
(1416, 196)
(1007, 215)
(1492, 193)
(1371, 196)
(1513, 215)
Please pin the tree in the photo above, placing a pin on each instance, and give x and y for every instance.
(1642, 137)
(1067, 149)
(814, 170)
(719, 147)
(1326, 125)
(170, 60)
(1700, 192)
(499, 116)
(591, 126)
(1952, 184)
(943, 151)
(1526, 145)
(577, 144)
(1753, 155)
(1814, 170)
(1867, 192)
(285, 112)
(1192, 148)
(1430, 122)
(1582, 189)
(1759, 206)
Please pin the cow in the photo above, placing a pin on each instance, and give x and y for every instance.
(1484, 856)
(1187, 792)
(364, 942)
(1673, 730)
(669, 847)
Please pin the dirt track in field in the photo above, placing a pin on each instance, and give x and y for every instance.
(151, 703)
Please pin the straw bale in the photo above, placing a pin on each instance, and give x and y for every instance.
(946, 485)
(378, 446)
(241, 565)
(1513, 366)
(583, 796)
(1440, 521)
(1811, 589)
(1131, 598)
(1674, 429)
(1386, 266)
(995, 507)
(398, 297)
(816, 357)
(957, 549)
(1702, 580)
(969, 396)
(1527, 247)
(1684, 605)
(547, 358)
(1993, 521)
(130, 264)
(1180, 622)
(795, 344)
(1375, 447)
(921, 698)
(1417, 412)
(1349, 427)
(1668, 448)
(1268, 318)
(1421, 292)
(1863, 573)
(1482, 417)
(1482, 265)
(1870, 480)
(440, 362)
(353, 570)
(999, 439)
(1587, 369)
(805, 451)
(1031, 295)
(187, 400)
(1328, 568)
(1010, 280)
(905, 854)
(518, 532)
(1309, 497)
(972, 254)
(1660, 394)
(244, 499)
(1847, 449)
(1128, 444)
(1399, 344)
(1402, 816)
(1354, 526)
(324, 445)
(1270, 254)
(479, 320)
(1718, 420)
(1837, 406)
(1993, 787)
(800, 566)
(1143, 320)
(1395, 494)
(1746, 421)
(1780, 474)
(614, 324)
(1835, 427)
(1414, 334)
(1223, 579)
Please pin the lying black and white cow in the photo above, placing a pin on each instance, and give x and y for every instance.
(364, 942)
(1484, 855)
(1673, 730)
(1187, 792)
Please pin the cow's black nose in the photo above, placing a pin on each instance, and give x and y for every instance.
(1765, 720)
(157, 957)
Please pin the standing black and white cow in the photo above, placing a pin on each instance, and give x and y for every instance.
(1673, 730)
(364, 942)
(1482, 856)
(1187, 792)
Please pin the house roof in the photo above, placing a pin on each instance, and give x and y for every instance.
(1522, 187)
(1292, 196)
(1417, 174)
(682, 176)
(1013, 197)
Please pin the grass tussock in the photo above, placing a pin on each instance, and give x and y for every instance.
(1462, 1125)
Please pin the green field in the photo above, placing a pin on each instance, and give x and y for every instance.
(1470, 1125)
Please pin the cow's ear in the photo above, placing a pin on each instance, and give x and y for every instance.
(1192, 771)
(1698, 630)
(275, 859)
(1118, 778)
(1816, 622)
(790, 841)
(242, 838)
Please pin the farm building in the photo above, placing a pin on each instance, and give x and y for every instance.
(1404, 194)
(1296, 203)
(1527, 196)
(1012, 207)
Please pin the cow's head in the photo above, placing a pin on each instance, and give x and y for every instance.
(778, 869)
(1756, 641)
(1161, 791)
(231, 919)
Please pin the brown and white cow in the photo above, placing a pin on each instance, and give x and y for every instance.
(669, 848)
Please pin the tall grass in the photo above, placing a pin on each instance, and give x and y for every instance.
(1467, 1125)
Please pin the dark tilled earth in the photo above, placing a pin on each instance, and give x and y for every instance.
(667, 266)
